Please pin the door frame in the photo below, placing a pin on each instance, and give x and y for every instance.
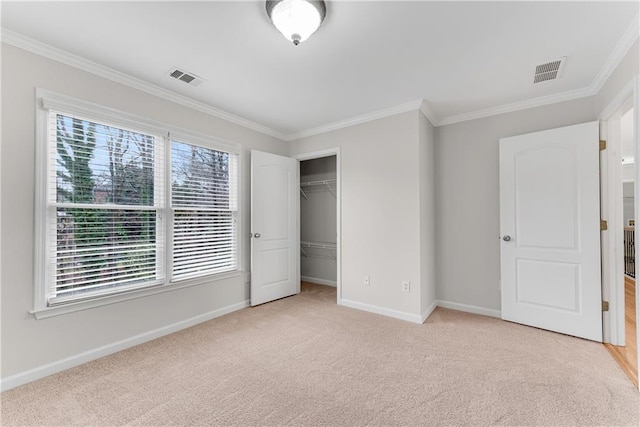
(318, 155)
(612, 209)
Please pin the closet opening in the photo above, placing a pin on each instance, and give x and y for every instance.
(319, 225)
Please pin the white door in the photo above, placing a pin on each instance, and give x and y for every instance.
(550, 230)
(275, 241)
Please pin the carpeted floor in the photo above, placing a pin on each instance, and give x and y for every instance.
(306, 361)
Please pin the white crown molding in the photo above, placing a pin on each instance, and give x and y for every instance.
(59, 55)
(623, 46)
(517, 106)
(617, 54)
(380, 114)
(628, 39)
(428, 113)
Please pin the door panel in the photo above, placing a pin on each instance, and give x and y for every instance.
(275, 241)
(548, 284)
(549, 208)
(546, 202)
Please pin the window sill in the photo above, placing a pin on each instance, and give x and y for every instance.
(71, 307)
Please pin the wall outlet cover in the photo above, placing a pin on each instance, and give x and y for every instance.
(406, 286)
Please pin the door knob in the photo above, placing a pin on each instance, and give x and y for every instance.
(256, 235)
(506, 238)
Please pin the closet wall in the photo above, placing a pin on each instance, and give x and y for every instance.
(318, 220)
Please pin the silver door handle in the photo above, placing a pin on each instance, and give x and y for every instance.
(507, 238)
(256, 235)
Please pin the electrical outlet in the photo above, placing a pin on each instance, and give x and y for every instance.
(406, 286)
(366, 280)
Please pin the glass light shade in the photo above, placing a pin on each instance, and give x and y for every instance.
(296, 19)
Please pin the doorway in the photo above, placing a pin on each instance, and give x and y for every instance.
(320, 219)
(626, 351)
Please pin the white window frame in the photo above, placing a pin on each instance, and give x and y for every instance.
(47, 100)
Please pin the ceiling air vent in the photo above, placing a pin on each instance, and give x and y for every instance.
(185, 76)
(549, 71)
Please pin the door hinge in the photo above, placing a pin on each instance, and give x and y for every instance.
(605, 305)
(604, 226)
(603, 144)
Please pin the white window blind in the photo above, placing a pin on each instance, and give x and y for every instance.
(104, 191)
(121, 207)
(204, 193)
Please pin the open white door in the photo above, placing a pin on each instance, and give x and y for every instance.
(550, 230)
(275, 239)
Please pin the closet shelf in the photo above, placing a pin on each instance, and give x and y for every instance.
(318, 186)
(327, 247)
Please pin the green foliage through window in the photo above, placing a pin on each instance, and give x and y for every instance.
(106, 196)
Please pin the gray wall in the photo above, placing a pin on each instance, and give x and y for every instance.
(467, 198)
(467, 188)
(28, 343)
(426, 150)
(318, 221)
(380, 218)
(624, 72)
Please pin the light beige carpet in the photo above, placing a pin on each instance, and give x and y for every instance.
(306, 361)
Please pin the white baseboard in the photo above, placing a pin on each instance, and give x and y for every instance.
(428, 311)
(78, 359)
(469, 308)
(319, 281)
(414, 318)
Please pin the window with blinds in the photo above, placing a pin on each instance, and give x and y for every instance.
(104, 195)
(204, 203)
(122, 207)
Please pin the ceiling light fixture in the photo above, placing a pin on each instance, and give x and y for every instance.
(296, 19)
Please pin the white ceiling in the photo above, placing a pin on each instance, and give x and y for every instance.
(461, 58)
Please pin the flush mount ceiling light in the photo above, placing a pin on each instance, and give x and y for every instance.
(296, 19)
